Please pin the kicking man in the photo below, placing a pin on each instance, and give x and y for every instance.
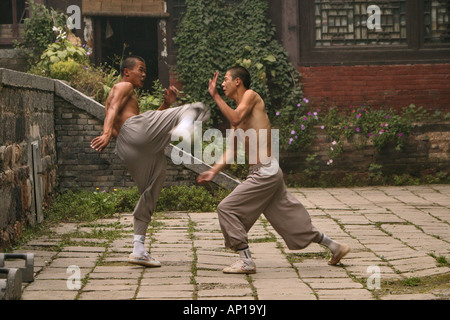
(140, 142)
(264, 190)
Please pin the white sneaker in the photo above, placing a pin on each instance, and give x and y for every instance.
(241, 266)
(144, 260)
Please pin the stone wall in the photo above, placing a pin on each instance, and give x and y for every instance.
(12, 59)
(426, 148)
(27, 178)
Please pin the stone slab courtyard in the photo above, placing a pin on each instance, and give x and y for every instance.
(399, 239)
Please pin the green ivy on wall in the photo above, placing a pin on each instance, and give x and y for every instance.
(216, 35)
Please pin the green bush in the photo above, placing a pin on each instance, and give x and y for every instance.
(65, 70)
(184, 198)
(86, 205)
(38, 30)
(61, 51)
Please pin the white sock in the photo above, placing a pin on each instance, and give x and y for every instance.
(244, 254)
(329, 243)
(139, 248)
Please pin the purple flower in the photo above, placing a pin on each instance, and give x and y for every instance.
(400, 134)
(290, 140)
(387, 117)
(292, 132)
(277, 113)
(305, 118)
(303, 127)
(322, 127)
(369, 135)
(299, 105)
(306, 100)
(357, 129)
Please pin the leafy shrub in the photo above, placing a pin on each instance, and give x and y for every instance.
(62, 50)
(148, 101)
(38, 30)
(86, 205)
(296, 128)
(184, 198)
(65, 70)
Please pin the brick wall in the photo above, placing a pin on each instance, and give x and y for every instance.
(123, 7)
(81, 167)
(394, 86)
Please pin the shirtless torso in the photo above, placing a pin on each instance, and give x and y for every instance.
(250, 114)
(122, 104)
(255, 120)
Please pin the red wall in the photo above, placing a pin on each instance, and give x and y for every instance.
(393, 86)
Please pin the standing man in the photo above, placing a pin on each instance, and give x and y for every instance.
(264, 190)
(140, 142)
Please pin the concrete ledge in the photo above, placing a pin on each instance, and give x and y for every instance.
(79, 100)
(25, 80)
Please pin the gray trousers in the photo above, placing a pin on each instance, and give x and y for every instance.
(140, 144)
(264, 191)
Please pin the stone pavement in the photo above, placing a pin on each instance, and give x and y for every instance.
(396, 234)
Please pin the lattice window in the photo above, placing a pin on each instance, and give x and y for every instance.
(436, 21)
(344, 23)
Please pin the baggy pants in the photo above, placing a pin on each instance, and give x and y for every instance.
(140, 144)
(264, 191)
